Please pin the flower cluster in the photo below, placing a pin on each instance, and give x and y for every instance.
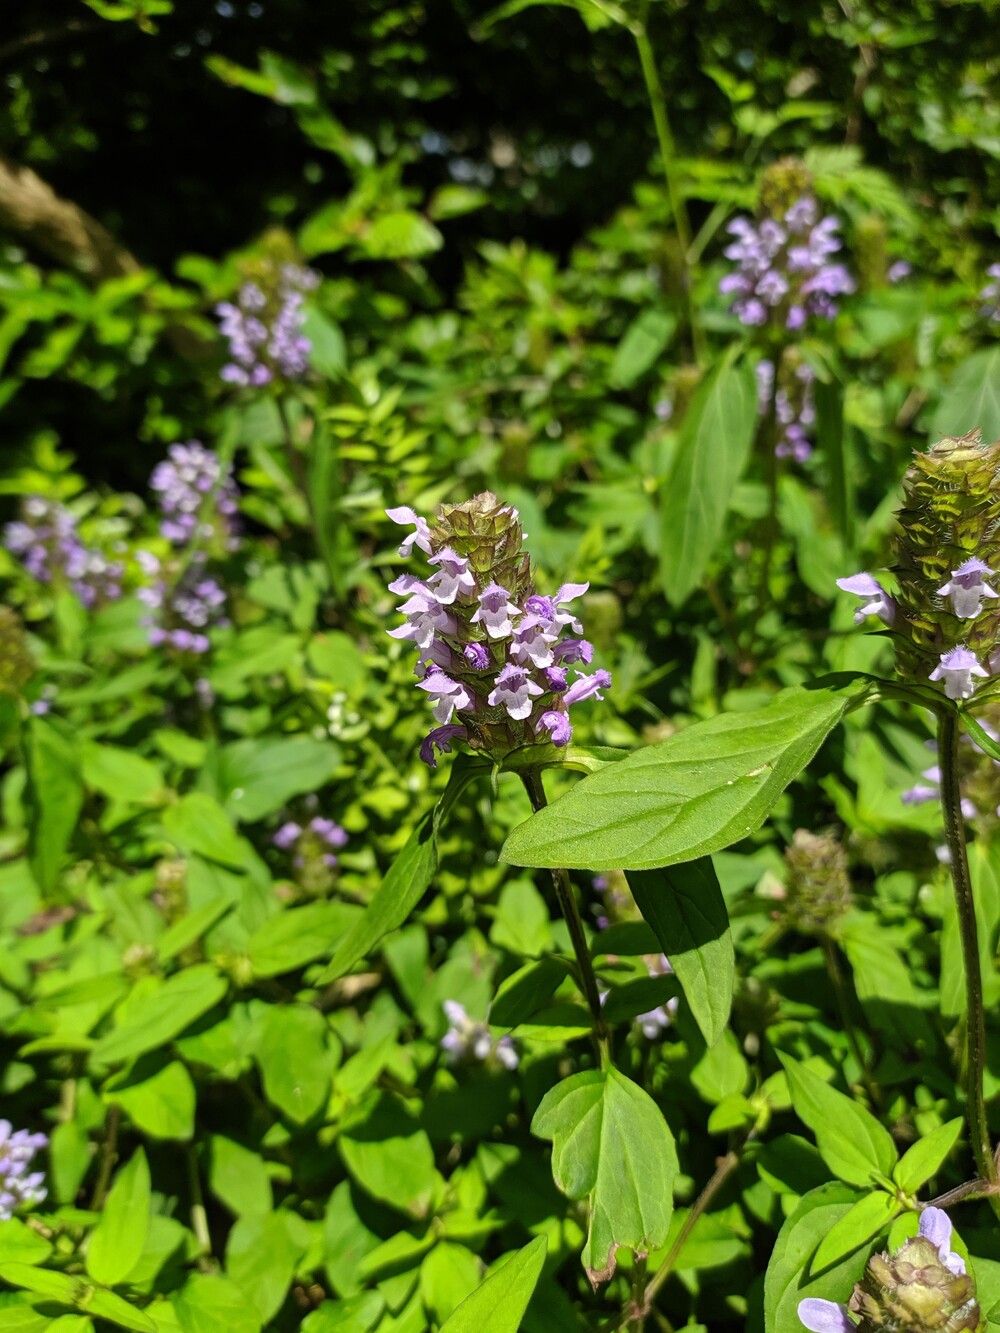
(185, 605)
(492, 652)
(466, 1038)
(19, 1187)
(923, 1285)
(794, 407)
(946, 613)
(264, 329)
(182, 481)
(784, 272)
(46, 540)
(818, 888)
(990, 295)
(319, 830)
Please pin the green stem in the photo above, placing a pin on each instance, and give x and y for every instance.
(668, 156)
(566, 898)
(109, 1150)
(844, 1009)
(300, 473)
(975, 1022)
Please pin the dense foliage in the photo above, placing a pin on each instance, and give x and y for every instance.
(615, 968)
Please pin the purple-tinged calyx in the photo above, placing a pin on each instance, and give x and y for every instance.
(875, 600)
(967, 587)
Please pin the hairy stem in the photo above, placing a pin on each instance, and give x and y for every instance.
(975, 1026)
(566, 898)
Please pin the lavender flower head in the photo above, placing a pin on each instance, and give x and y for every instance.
(46, 541)
(467, 1039)
(784, 272)
(182, 482)
(319, 835)
(19, 1187)
(182, 605)
(494, 656)
(264, 328)
(875, 601)
(794, 406)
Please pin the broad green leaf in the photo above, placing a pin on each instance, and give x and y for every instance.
(259, 775)
(867, 1218)
(206, 1304)
(641, 346)
(328, 346)
(356, 1314)
(695, 793)
(161, 1104)
(401, 235)
(261, 1254)
(156, 1019)
(118, 1239)
(198, 823)
(390, 1156)
(712, 453)
(789, 1278)
(54, 796)
(109, 1305)
(295, 1060)
(190, 928)
(120, 774)
(611, 1146)
(238, 1177)
(499, 1302)
(525, 991)
(685, 907)
(925, 1158)
(21, 1243)
(300, 934)
(448, 1274)
(971, 400)
(854, 1145)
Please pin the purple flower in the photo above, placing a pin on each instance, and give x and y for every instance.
(452, 578)
(587, 687)
(898, 271)
(19, 1187)
(288, 834)
(990, 295)
(182, 481)
(935, 1226)
(46, 541)
(825, 1316)
(558, 725)
(967, 587)
(514, 691)
(421, 537)
(477, 655)
(956, 669)
(329, 832)
(264, 329)
(574, 650)
(533, 642)
(440, 738)
(448, 694)
(465, 1037)
(496, 612)
(876, 601)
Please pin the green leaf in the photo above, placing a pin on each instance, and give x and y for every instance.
(611, 1146)
(925, 1158)
(390, 1156)
(54, 796)
(108, 1305)
(499, 1302)
(685, 907)
(120, 1235)
(261, 1254)
(206, 1304)
(258, 776)
(238, 1177)
(198, 823)
(787, 1281)
(401, 235)
(406, 880)
(300, 934)
(328, 346)
(971, 400)
(161, 1104)
(295, 1060)
(356, 1314)
(867, 1218)
(448, 1274)
(642, 345)
(120, 774)
(155, 1019)
(854, 1145)
(712, 453)
(21, 1243)
(525, 991)
(702, 789)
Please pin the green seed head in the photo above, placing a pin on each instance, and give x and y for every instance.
(489, 535)
(819, 888)
(783, 184)
(912, 1291)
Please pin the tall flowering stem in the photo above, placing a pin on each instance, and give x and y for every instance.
(568, 905)
(954, 823)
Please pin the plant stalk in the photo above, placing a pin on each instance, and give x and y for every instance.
(975, 1023)
(668, 155)
(569, 907)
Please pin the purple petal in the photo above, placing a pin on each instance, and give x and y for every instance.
(825, 1316)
